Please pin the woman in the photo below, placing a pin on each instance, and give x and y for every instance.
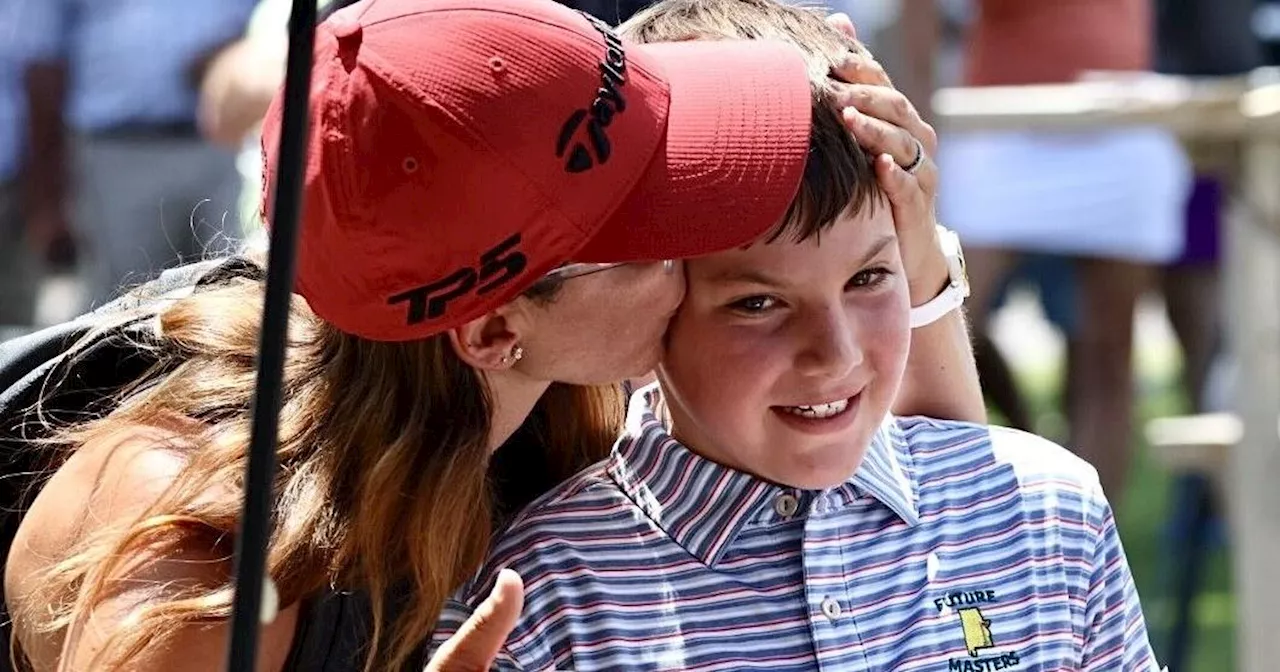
(446, 289)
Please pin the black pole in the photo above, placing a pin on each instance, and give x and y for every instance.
(255, 518)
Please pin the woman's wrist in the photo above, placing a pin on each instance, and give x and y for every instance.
(927, 269)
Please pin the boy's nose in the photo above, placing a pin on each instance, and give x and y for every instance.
(831, 346)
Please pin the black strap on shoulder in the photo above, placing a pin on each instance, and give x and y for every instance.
(335, 632)
(28, 364)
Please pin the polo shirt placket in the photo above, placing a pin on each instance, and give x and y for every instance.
(837, 639)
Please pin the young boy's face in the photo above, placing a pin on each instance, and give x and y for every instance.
(785, 357)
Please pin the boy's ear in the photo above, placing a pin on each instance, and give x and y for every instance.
(488, 342)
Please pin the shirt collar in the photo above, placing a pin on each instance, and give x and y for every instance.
(658, 474)
(887, 472)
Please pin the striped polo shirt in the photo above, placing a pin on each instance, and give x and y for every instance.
(955, 546)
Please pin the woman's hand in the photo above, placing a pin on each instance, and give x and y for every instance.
(477, 643)
(887, 124)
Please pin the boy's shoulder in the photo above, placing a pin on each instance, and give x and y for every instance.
(588, 505)
(965, 453)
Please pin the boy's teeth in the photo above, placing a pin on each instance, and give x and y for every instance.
(820, 410)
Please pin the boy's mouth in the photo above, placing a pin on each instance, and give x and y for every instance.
(825, 418)
(818, 411)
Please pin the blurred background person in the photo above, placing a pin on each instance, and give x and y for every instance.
(1201, 39)
(31, 243)
(1110, 200)
(111, 87)
(18, 273)
(1209, 39)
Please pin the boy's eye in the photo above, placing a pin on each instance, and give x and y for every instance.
(871, 277)
(753, 304)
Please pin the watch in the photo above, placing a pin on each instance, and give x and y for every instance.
(954, 292)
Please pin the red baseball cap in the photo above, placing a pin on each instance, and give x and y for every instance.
(461, 149)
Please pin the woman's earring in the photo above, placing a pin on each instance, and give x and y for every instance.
(516, 355)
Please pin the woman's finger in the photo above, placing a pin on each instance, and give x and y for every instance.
(876, 136)
(902, 188)
(881, 137)
(888, 105)
(860, 68)
(913, 219)
(841, 22)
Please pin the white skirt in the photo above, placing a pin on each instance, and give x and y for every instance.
(1114, 194)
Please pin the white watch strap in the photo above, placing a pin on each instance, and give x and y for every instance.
(951, 297)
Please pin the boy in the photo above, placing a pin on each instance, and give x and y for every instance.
(764, 511)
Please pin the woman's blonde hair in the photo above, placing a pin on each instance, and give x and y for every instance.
(383, 471)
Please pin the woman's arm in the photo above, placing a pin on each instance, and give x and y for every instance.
(941, 380)
(111, 482)
(238, 87)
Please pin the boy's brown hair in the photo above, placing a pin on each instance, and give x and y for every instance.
(839, 174)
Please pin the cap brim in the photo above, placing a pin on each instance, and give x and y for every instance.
(732, 158)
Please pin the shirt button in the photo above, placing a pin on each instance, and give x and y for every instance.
(786, 505)
(820, 506)
(831, 608)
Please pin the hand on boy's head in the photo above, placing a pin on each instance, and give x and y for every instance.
(889, 122)
(887, 125)
(886, 121)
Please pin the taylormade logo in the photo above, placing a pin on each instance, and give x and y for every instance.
(585, 150)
